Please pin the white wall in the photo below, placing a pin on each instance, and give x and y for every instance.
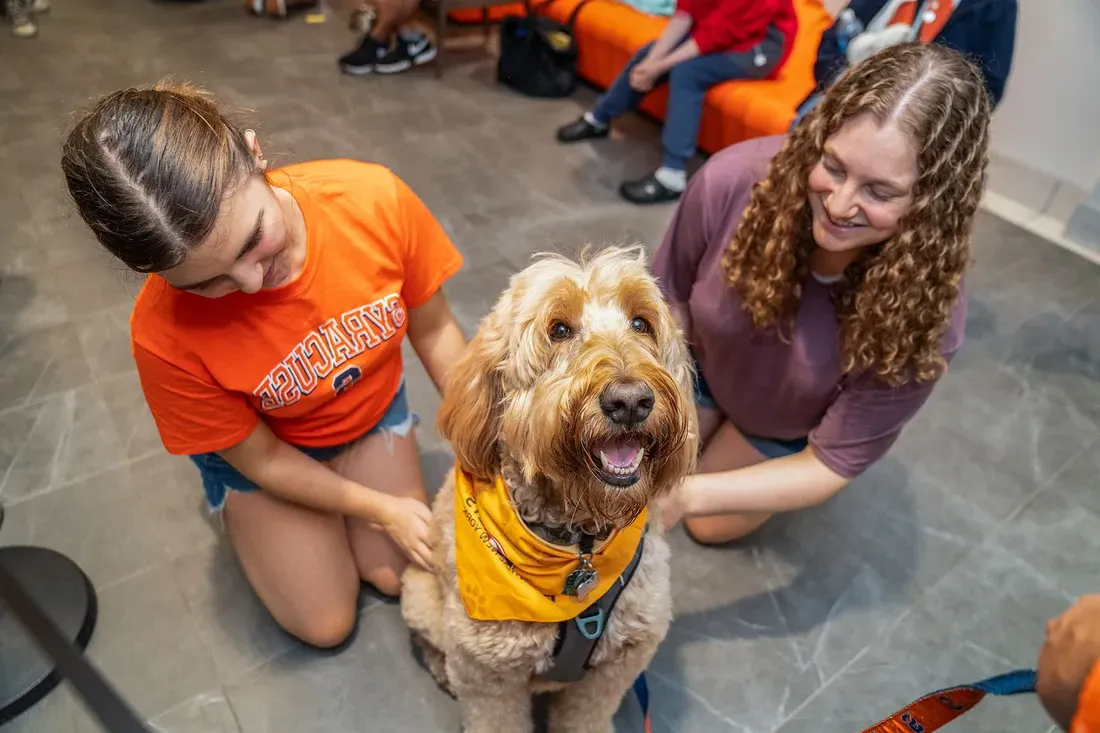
(1046, 132)
(1049, 120)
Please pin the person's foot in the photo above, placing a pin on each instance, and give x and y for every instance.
(361, 61)
(418, 46)
(664, 184)
(372, 57)
(586, 128)
(22, 24)
(40, 6)
(393, 59)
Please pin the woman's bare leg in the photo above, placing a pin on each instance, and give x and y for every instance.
(726, 450)
(389, 462)
(393, 15)
(709, 421)
(300, 564)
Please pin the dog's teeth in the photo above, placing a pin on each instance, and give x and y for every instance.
(614, 470)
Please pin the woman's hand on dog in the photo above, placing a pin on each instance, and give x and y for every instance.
(406, 521)
(671, 506)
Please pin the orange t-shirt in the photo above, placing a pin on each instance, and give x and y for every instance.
(319, 358)
(1087, 717)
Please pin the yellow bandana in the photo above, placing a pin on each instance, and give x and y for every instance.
(507, 573)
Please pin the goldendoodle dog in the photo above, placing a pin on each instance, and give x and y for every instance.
(569, 413)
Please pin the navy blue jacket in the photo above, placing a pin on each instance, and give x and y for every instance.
(983, 30)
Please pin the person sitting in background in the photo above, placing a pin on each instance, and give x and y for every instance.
(392, 45)
(706, 42)
(1069, 668)
(983, 30)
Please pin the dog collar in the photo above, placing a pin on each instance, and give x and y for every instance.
(508, 573)
(566, 536)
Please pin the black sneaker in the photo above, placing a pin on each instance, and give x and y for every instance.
(418, 47)
(374, 58)
(580, 130)
(648, 191)
(361, 60)
(393, 59)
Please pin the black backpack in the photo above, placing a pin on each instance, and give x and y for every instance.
(538, 55)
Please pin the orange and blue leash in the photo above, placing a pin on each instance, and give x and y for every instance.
(937, 709)
(929, 713)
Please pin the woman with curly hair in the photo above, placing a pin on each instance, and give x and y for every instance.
(819, 278)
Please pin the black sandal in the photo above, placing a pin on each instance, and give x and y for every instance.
(648, 191)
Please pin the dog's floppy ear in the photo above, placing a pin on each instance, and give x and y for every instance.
(470, 414)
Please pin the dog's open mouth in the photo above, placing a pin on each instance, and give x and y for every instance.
(619, 460)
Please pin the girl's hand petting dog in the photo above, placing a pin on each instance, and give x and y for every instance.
(406, 521)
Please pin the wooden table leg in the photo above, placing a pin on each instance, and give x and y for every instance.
(441, 37)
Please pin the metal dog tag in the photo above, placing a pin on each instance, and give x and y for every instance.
(582, 581)
(587, 585)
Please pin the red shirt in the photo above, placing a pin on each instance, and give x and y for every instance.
(738, 25)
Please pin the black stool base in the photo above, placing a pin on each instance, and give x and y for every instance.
(67, 596)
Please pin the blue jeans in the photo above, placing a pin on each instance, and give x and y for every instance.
(688, 85)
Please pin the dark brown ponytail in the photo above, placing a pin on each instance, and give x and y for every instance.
(148, 170)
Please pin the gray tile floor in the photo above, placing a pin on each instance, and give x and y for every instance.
(938, 566)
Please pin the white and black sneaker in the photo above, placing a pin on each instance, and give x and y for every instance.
(372, 57)
(392, 60)
(361, 61)
(19, 15)
(418, 46)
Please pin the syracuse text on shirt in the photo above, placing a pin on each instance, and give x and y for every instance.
(326, 348)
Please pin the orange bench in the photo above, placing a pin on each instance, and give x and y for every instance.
(609, 32)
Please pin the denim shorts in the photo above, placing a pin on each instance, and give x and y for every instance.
(219, 478)
(767, 447)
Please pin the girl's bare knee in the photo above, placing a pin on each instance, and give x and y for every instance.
(723, 529)
(324, 629)
(386, 578)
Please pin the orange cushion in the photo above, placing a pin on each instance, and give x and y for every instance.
(496, 13)
(609, 32)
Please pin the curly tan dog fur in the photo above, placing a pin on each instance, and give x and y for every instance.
(525, 403)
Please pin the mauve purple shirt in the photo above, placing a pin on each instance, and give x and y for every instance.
(766, 387)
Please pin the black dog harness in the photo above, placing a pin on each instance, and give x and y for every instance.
(577, 637)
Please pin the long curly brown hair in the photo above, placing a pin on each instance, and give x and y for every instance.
(895, 301)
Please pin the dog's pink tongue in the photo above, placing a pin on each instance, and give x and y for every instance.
(621, 453)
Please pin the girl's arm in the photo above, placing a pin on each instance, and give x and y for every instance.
(436, 337)
(784, 484)
(686, 51)
(858, 429)
(286, 472)
(675, 30)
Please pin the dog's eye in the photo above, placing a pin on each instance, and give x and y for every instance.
(640, 325)
(560, 331)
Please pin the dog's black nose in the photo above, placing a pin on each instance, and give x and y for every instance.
(627, 403)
